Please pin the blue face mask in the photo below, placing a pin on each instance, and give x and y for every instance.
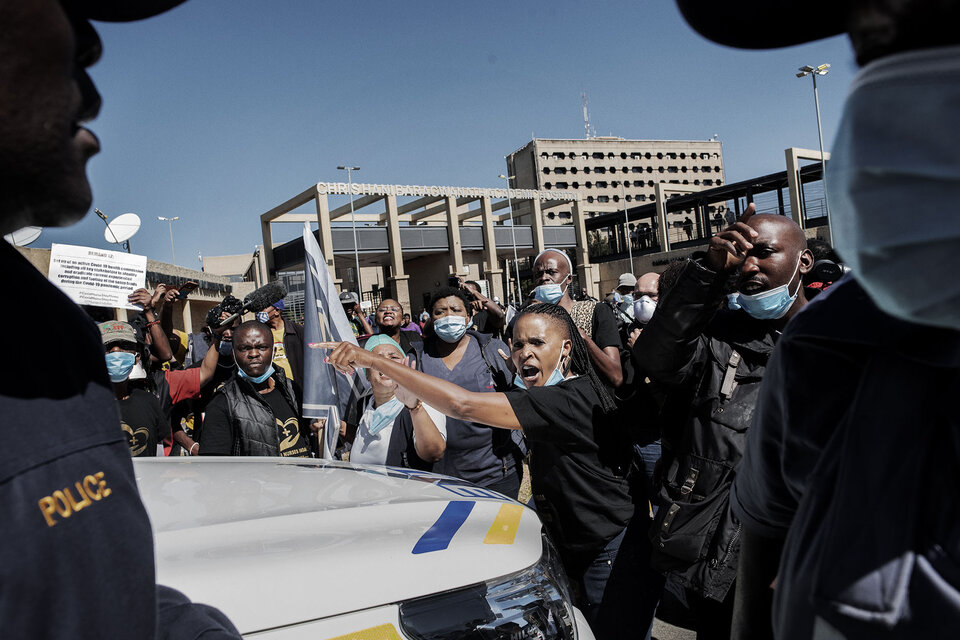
(772, 304)
(617, 298)
(225, 348)
(119, 365)
(450, 328)
(555, 378)
(258, 379)
(263, 316)
(384, 415)
(733, 301)
(628, 299)
(549, 293)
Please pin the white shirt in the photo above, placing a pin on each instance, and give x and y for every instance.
(372, 449)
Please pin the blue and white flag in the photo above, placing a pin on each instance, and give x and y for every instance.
(326, 393)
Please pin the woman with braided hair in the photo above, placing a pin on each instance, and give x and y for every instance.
(578, 461)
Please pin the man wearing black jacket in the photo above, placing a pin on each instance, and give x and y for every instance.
(715, 359)
(256, 412)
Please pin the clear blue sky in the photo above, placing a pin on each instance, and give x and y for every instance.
(220, 109)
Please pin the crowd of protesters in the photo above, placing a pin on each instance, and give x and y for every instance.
(630, 414)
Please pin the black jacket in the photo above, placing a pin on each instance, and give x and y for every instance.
(252, 422)
(690, 346)
(293, 347)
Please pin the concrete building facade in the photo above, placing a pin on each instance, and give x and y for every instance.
(409, 238)
(611, 174)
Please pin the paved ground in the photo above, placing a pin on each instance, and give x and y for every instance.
(664, 631)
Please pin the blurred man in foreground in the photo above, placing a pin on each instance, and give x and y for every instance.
(76, 549)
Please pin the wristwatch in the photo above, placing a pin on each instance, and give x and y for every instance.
(416, 406)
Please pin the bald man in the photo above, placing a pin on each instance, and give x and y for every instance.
(715, 358)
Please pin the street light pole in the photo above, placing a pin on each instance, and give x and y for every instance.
(513, 235)
(170, 221)
(626, 228)
(813, 72)
(353, 222)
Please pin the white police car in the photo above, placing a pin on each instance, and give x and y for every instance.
(299, 548)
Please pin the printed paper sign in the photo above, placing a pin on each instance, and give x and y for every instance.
(97, 277)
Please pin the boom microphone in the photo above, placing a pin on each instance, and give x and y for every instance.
(259, 299)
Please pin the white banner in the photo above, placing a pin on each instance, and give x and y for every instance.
(97, 277)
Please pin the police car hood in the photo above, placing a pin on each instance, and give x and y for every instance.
(272, 542)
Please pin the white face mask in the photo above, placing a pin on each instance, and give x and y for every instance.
(893, 184)
(643, 309)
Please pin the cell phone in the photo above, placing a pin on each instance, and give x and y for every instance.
(186, 289)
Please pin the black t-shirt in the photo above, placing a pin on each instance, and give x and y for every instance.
(605, 331)
(581, 495)
(294, 441)
(142, 420)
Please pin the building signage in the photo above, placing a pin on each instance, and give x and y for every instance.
(363, 189)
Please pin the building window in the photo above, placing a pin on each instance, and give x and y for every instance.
(603, 198)
(696, 182)
(708, 183)
(551, 215)
(610, 155)
(650, 183)
(695, 169)
(637, 169)
(599, 170)
(647, 155)
(590, 199)
(719, 182)
(573, 169)
(616, 198)
(613, 169)
(683, 155)
(546, 170)
(673, 170)
(576, 185)
(560, 170)
(660, 156)
(636, 155)
(589, 185)
(717, 169)
(707, 169)
(586, 169)
(559, 154)
(660, 169)
(598, 155)
(649, 169)
(683, 169)
(544, 155)
(601, 184)
(640, 198)
(566, 214)
(561, 185)
(629, 198)
(672, 156)
(623, 156)
(546, 185)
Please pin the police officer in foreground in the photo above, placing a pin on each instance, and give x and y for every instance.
(76, 549)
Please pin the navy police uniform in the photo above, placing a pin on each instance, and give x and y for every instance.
(76, 548)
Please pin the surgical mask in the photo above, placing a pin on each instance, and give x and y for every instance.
(263, 316)
(733, 301)
(255, 379)
(771, 304)
(384, 416)
(617, 298)
(643, 309)
(225, 348)
(893, 182)
(556, 376)
(550, 293)
(450, 328)
(628, 298)
(119, 365)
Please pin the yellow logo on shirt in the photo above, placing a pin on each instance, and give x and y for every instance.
(63, 503)
(137, 439)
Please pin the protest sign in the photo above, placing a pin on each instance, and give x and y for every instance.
(97, 277)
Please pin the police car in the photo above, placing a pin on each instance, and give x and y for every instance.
(300, 548)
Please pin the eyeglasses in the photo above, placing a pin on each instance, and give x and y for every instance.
(394, 309)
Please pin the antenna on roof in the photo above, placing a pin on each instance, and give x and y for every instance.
(586, 116)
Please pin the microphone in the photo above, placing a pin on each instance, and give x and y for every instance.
(258, 300)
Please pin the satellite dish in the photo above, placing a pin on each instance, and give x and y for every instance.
(23, 237)
(122, 228)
